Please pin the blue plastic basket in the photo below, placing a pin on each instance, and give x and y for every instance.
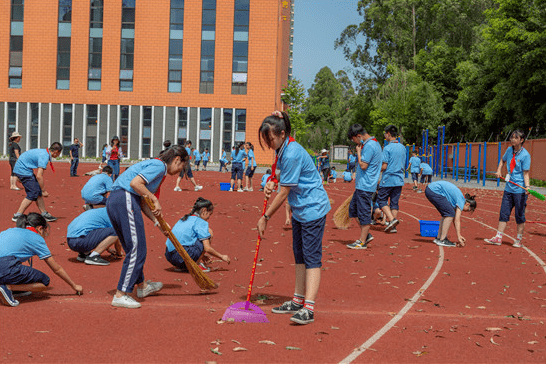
(225, 186)
(429, 228)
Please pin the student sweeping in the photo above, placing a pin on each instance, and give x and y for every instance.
(194, 234)
(125, 207)
(450, 203)
(21, 244)
(96, 189)
(518, 163)
(301, 184)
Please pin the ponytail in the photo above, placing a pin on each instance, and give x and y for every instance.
(471, 199)
(33, 220)
(200, 203)
(276, 123)
(170, 153)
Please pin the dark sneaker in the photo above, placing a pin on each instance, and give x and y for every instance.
(287, 307)
(437, 241)
(369, 238)
(15, 217)
(7, 297)
(96, 260)
(303, 316)
(391, 225)
(394, 230)
(48, 217)
(81, 257)
(18, 293)
(446, 243)
(357, 245)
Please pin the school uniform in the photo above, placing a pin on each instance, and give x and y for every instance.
(426, 175)
(237, 164)
(333, 175)
(75, 161)
(415, 169)
(205, 159)
(24, 170)
(366, 182)
(104, 154)
(223, 161)
(347, 176)
(308, 201)
(251, 164)
(190, 233)
(187, 170)
(446, 197)
(352, 163)
(325, 167)
(18, 245)
(94, 190)
(89, 229)
(390, 186)
(123, 207)
(513, 196)
(197, 157)
(264, 180)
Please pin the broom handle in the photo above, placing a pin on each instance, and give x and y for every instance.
(510, 181)
(255, 261)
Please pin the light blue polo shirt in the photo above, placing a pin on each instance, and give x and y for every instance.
(223, 159)
(197, 155)
(352, 158)
(152, 171)
(94, 189)
(427, 170)
(30, 160)
(206, 156)
(415, 163)
(239, 156)
(190, 231)
(523, 163)
(87, 222)
(394, 154)
(23, 244)
(334, 174)
(453, 194)
(251, 159)
(307, 196)
(264, 179)
(366, 180)
(188, 150)
(347, 176)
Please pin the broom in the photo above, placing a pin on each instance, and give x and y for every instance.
(341, 216)
(536, 194)
(196, 272)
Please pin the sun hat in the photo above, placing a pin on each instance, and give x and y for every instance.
(15, 135)
(324, 150)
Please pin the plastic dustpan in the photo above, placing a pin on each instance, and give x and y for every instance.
(246, 311)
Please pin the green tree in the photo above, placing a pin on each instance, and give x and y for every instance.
(294, 96)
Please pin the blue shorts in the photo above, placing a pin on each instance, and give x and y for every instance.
(197, 163)
(440, 202)
(250, 172)
(307, 242)
(205, 163)
(237, 171)
(386, 192)
(426, 179)
(352, 167)
(12, 272)
(95, 200)
(510, 201)
(415, 176)
(194, 251)
(186, 172)
(32, 187)
(361, 206)
(88, 243)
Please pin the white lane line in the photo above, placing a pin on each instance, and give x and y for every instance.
(366, 345)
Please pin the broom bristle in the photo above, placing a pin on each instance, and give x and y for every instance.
(341, 216)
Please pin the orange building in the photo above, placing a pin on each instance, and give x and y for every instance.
(208, 71)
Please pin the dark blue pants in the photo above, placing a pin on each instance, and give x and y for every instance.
(222, 164)
(511, 201)
(74, 166)
(114, 164)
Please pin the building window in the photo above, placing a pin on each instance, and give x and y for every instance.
(64, 35)
(15, 73)
(94, 76)
(67, 128)
(182, 133)
(228, 125)
(176, 36)
(240, 47)
(208, 36)
(205, 128)
(91, 130)
(124, 128)
(146, 131)
(12, 118)
(240, 125)
(34, 124)
(127, 45)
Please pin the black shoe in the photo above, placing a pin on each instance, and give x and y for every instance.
(48, 217)
(81, 257)
(96, 260)
(303, 316)
(369, 238)
(446, 243)
(391, 225)
(287, 307)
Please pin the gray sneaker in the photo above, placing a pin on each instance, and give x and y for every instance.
(48, 217)
(303, 316)
(151, 288)
(437, 241)
(96, 260)
(391, 225)
(15, 217)
(287, 307)
(447, 243)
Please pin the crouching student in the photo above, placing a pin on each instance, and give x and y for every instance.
(96, 189)
(347, 176)
(333, 175)
(90, 234)
(193, 233)
(264, 178)
(21, 244)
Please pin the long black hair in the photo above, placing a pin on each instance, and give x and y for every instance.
(200, 203)
(33, 220)
(471, 199)
(276, 124)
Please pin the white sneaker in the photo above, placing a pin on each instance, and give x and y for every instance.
(517, 244)
(198, 187)
(245, 189)
(250, 189)
(151, 288)
(125, 301)
(177, 189)
(240, 190)
(230, 189)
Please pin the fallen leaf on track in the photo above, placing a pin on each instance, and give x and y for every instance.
(292, 348)
(267, 342)
(215, 351)
(493, 342)
(237, 349)
(491, 329)
(235, 341)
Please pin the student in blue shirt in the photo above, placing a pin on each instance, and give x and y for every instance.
(104, 147)
(206, 156)
(324, 163)
(75, 157)
(518, 163)
(238, 157)
(197, 158)
(426, 176)
(352, 163)
(450, 203)
(193, 232)
(368, 152)
(187, 172)
(20, 244)
(35, 159)
(390, 187)
(264, 179)
(347, 176)
(251, 166)
(90, 234)
(333, 175)
(125, 207)
(96, 189)
(223, 161)
(414, 168)
(302, 185)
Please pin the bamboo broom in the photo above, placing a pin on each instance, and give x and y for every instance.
(341, 216)
(196, 272)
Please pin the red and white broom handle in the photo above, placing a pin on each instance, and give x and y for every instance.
(255, 261)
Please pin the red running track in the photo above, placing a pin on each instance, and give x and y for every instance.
(404, 300)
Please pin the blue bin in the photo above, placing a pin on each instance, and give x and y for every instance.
(429, 228)
(225, 186)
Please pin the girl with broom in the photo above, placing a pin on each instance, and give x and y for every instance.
(301, 184)
(125, 206)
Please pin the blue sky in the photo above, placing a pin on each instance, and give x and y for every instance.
(317, 24)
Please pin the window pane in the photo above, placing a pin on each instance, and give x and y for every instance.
(242, 4)
(182, 117)
(207, 63)
(209, 17)
(128, 15)
(240, 49)
(127, 45)
(207, 48)
(17, 13)
(207, 76)
(177, 16)
(209, 4)
(175, 46)
(63, 60)
(175, 76)
(93, 85)
(126, 74)
(175, 62)
(241, 18)
(95, 60)
(16, 43)
(129, 3)
(175, 87)
(95, 45)
(16, 59)
(65, 10)
(63, 74)
(63, 44)
(127, 62)
(177, 3)
(94, 73)
(125, 85)
(206, 119)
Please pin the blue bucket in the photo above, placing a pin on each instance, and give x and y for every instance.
(225, 186)
(429, 228)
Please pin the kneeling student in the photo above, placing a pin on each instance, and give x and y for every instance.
(96, 190)
(90, 234)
